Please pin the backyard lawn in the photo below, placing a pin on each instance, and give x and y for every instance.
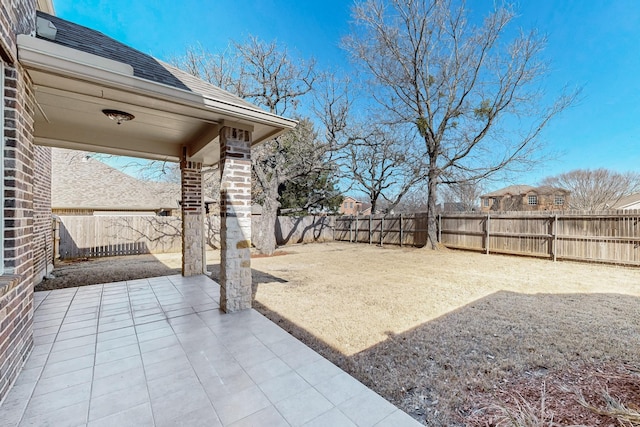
(453, 338)
(458, 338)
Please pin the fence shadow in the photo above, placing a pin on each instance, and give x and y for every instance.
(433, 368)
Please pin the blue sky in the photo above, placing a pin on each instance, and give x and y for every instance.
(594, 44)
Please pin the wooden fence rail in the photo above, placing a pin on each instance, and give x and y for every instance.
(608, 237)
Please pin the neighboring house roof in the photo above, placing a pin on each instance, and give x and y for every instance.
(628, 202)
(524, 189)
(79, 181)
(511, 190)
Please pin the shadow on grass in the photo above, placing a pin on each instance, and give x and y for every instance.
(432, 370)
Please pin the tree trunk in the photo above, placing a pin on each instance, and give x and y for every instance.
(432, 224)
(265, 234)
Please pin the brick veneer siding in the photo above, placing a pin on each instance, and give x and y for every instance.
(16, 285)
(192, 218)
(42, 217)
(235, 219)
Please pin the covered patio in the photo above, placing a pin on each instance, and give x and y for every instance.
(159, 352)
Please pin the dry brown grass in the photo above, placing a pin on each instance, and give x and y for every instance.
(432, 331)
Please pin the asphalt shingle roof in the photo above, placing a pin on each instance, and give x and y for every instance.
(78, 181)
(144, 66)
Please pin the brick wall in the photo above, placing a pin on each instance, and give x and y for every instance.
(235, 219)
(192, 218)
(16, 285)
(42, 225)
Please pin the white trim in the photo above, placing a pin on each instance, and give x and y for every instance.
(49, 57)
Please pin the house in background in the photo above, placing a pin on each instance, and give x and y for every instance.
(525, 198)
(628, 203)
(352, 206)
(82, 185)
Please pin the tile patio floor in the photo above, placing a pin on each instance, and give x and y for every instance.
(158, 352)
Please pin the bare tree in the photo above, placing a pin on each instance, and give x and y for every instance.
(595, 189)
(465, 194)
(267, 75)
(381, 165)
(471, 96)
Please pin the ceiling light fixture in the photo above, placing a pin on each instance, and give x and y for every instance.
(118, 116)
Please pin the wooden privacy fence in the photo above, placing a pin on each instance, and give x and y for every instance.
(99, 236)
(609, 237)
(400, 229)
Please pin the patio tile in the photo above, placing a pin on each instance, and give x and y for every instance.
(268, 416)
(117, 366)
(340, 388)
(166, 367)
(121, 380)
(254, 355)
(71, 353)
(333, 418)
(162, 354)
(318, 371)
(43, 404)
(303, 407)
(159, 343)
(116, 343)
(15, 403)
(267, 370)
(35, 361)
(70, 416)
(138, 416)
(37, 332)
(29, 376)
(233, 407)
(76, 333)
(300, 357)
(105, 327)
(175, 381)
(117, 354)
(283, 386)
(73, 343)
(66, 366)
(204, 417)
(367, 408)
(173, 406)
(115, 334)
(141, 320)
(398, 419)
(118, 401)
(64, 381)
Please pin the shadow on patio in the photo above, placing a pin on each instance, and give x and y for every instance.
(159, 352)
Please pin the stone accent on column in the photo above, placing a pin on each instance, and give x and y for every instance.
(235, 219)
(193, 262)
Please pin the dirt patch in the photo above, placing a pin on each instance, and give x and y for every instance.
(453, 337)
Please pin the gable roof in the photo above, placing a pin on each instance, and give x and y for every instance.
(627, 201)
(90, 41)
(512, 189)
(524, 189)
(78, 181)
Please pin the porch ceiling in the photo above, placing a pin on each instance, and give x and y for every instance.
(73, 87)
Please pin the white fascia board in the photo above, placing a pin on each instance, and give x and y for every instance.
(51, 57)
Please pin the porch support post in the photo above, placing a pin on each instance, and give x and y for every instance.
(235, 219)
(193, 262)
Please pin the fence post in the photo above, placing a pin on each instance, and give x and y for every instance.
(439, 228)
(554, 237)
(357, 231)
(401, 236)
(381, 231)
(350, 229)
(370, 221)
(486, 239)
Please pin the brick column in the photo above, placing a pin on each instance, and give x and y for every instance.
(235, 219)
(193, 262)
